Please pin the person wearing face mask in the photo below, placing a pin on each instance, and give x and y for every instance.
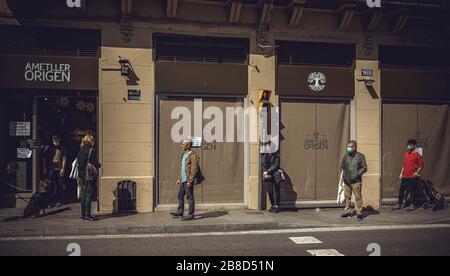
(54, 165)
(353, 167)
(412, 166)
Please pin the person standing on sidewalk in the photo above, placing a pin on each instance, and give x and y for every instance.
(353, 167)
(54, 165)
(412, 166)
(86, 157)
(271, 164)
(186, 182)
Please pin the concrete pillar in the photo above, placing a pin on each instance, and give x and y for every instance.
(261, 76)
(368, 127)
(126, 127)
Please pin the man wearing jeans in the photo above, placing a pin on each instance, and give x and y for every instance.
(412, 166)
(353, 167)
(189, 169)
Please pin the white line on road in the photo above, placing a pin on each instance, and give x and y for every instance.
(305, 240)
(238, 233)
(325, 253)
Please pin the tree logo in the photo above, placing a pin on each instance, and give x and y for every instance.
(317, 81)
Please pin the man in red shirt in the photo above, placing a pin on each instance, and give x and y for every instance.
(412, 166)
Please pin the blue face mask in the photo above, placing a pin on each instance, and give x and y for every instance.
(349, 150)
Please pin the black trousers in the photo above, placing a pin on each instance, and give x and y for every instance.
(408, 190)
(273, 190)
(56, 186)
(184, 190)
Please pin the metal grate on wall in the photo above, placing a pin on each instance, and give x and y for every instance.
(413, 57)
(201, 49)
(317, 54)
(49, 41)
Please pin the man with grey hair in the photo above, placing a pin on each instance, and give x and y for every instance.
(353, 167)
(186, 182)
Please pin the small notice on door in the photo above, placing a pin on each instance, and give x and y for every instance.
(23, 153)
(19, 128)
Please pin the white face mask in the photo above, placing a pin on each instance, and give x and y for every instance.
(56, 144)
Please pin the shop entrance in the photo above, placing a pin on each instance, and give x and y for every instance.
(222, 163)
(313, 140)
(429, 124)
(31, 120)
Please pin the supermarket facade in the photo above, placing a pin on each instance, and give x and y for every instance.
(337, 70)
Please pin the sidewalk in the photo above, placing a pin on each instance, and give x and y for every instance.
(65, 221)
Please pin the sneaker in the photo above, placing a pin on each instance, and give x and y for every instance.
(82, 218)
(90, 219)
(271, 209)
(397, 207)
(346, 216)
(187, 218)
(276, 210)
(176, 214)
(360, 217)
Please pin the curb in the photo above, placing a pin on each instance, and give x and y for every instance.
(92, 231)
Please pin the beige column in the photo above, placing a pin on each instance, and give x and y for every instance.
(261, 77)
(126, 126)
(368, 128)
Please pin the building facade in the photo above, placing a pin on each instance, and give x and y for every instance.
(338, 70)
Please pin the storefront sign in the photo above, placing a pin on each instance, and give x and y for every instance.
(47, 72)
(39, 72)
(315, 81)
(415, 84)
(19, 128)
(316, 141)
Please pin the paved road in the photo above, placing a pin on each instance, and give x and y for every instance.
(342, 241)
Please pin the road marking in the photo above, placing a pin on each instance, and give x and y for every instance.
(305, 240)
(325, 253)
(239, 233)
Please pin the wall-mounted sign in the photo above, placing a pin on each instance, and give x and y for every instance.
(34, 144)
(367, 72)
(19, 128)
(134, 94)
(317, 81)
(196, 142)
(47, 72)
(36, 72)
(24, 153)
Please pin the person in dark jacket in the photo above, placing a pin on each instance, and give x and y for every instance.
(353, 167)
(54, 166)
(271, 164)
(86, 155)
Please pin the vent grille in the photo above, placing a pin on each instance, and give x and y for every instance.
(201, 49)
(49, 41)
